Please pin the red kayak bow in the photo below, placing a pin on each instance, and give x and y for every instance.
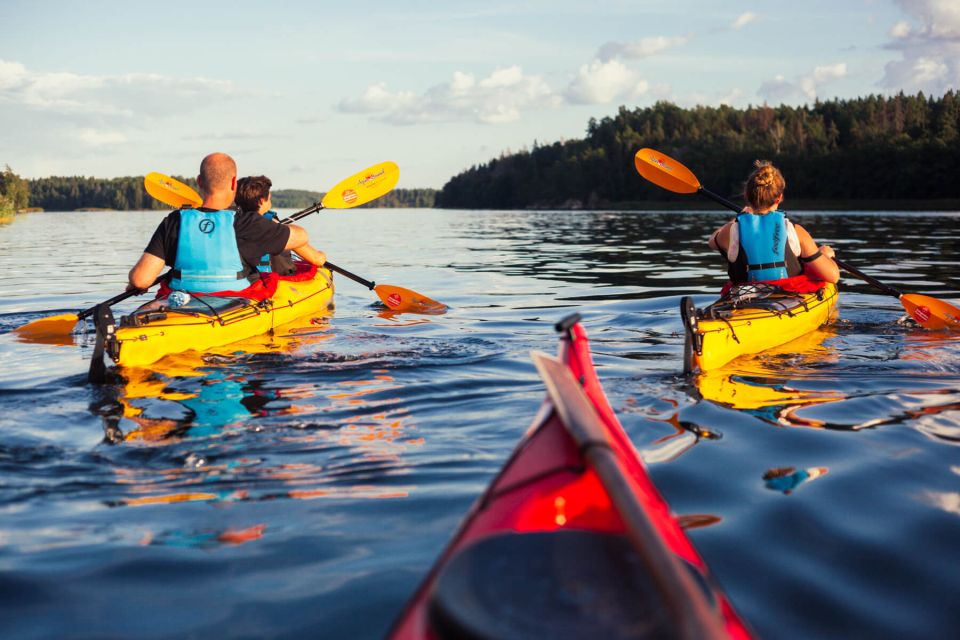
(572, 538)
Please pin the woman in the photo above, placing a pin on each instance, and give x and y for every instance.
(761, 245)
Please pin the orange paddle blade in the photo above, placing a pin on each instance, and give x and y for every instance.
(170, 191)
(49, 330)
(363, 187)
(405, 300)
(664, 171)
(931, 313)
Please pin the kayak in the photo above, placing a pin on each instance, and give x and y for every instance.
(572, 538)
(750, 319)
(204, 322)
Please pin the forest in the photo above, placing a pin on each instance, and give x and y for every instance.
(900, 147)
(61, 193)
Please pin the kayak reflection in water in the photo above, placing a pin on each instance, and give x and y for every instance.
(762, 245)
(786, 479)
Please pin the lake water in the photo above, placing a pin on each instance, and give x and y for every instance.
(305, 487)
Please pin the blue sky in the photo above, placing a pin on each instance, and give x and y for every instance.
(311, 92)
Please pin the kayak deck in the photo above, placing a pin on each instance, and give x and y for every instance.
(205, 322)
(571, 539)
(748, 321)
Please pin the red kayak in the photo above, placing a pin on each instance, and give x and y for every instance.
(572, 538)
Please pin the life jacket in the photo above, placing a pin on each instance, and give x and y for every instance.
(208, 259)
(282, 263)
(763, 248)
(264, 264)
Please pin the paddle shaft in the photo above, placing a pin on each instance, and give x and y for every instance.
(352, 276)
(121, 297)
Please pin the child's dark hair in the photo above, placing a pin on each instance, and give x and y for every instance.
(251, 190)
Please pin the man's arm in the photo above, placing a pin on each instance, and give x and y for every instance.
(144, 273)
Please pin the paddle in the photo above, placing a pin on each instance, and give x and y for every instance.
(664, 171)
(170, 191)
(360, 188)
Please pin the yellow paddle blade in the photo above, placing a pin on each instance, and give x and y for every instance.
(170, 191)
(664, 171)
(931, 313)
(405, 300)
(49, 330)
(363, 187)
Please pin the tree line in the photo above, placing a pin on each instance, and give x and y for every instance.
(398, 198)
(872, 148)
(69, 193)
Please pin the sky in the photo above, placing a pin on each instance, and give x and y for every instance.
(310, 92)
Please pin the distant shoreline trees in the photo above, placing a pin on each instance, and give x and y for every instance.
(873, 148)
(62, 193)
(14, 192)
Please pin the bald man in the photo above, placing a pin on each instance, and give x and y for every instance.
(214, 247)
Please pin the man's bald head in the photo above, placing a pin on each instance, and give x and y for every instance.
(218, 175)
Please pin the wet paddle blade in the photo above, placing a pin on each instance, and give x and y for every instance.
(931, 313)
(170, 191)
(49, 330)
(363, 187)
(664, 171)
(405, 300)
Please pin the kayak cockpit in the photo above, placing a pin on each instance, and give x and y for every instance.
(549, 584)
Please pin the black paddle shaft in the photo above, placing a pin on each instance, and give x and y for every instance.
(120, 297)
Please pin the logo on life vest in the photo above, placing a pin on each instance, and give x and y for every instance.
(922, 314)
(207, 225)
(349, 196)
(394, 300)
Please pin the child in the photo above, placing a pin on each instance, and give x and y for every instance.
(761, 245)
(253, 194)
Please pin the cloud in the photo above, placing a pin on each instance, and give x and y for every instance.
(603, 82)
(96, 138)
(929, 49)
(804, 88)
(900, 30)
(97, 98)
(743, 20)
(643, 48)
(496, 99)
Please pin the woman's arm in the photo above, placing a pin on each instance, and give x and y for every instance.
(817, 261)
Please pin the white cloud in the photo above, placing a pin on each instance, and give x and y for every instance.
(900, 30)
(930, 50)
(744, 19)
(101, 97)
(603, 82)
(496, 99)
(805, 88)
(643, 48)
(96, 138)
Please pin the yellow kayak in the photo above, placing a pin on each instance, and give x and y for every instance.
(205, 322)
(750, 319)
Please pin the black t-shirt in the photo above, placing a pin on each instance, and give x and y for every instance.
(256, 236)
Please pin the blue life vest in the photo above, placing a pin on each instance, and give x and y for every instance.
(208, 259)
(264, 264)
(763, 244)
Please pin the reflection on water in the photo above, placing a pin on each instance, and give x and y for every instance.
(307, 479)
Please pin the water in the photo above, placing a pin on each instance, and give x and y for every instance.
(306, 486)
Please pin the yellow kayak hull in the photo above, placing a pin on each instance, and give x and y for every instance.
(713, 342)
(145, 337)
